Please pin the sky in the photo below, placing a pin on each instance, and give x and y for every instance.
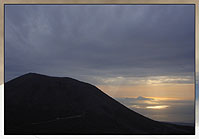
(141, 55)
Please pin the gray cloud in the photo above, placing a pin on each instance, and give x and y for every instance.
(133, 101)
(143, 98)
(85, 41)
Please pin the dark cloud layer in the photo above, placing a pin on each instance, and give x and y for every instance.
(84, 41)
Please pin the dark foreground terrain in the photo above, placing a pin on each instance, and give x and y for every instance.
(39, 104)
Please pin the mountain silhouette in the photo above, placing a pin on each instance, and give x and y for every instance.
(44, 105)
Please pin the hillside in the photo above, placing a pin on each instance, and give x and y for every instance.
(39, 104)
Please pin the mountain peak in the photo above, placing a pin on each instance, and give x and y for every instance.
(33, 74)
(40, 104)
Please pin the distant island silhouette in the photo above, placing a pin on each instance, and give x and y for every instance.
(37, 104)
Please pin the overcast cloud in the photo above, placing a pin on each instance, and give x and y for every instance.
(89, 42)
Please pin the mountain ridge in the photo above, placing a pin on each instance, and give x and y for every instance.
(46, 100)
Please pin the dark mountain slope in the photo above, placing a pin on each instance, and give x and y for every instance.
(39, 104)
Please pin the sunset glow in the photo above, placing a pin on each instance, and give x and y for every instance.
(175, 91)
(157, 107)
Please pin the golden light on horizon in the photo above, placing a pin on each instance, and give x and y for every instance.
(157, 107)
(163, 98)
(159, 92)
